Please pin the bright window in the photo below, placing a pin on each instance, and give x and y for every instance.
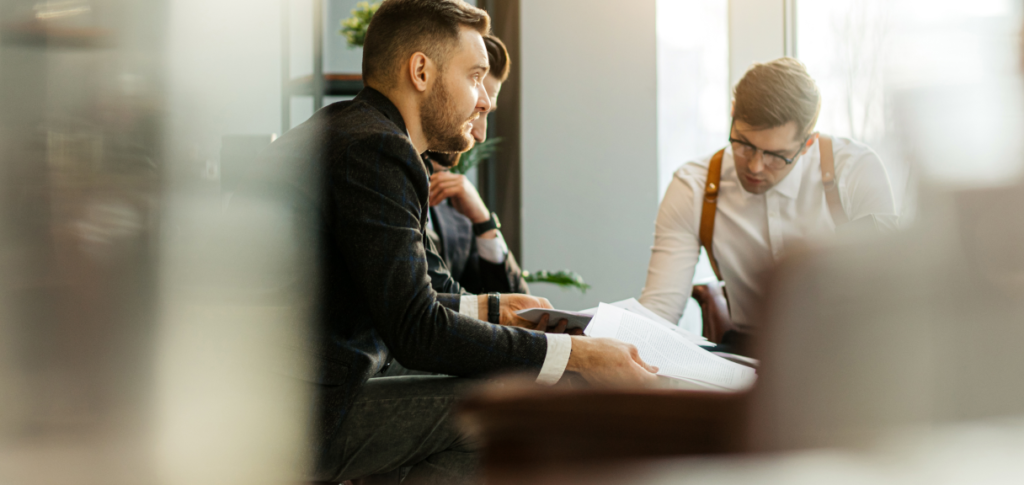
(693, 82)
(926, 83)
(693, 97)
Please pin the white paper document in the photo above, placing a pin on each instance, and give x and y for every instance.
(634, 306)
(673, 354)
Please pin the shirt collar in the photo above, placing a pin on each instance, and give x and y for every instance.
(428, 163)
(381, 102)
(790, 186)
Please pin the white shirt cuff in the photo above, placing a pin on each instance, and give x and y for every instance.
(492, 250)
(557, 357)
(469, 306)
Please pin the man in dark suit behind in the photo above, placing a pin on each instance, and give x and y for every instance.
(366, 189)
(466, 234)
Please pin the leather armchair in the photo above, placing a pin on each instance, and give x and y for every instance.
(715, 309)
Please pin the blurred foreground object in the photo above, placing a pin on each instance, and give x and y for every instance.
(531, 433)
(144, 336)
(883, 361)
(80, 132)
(917, 331)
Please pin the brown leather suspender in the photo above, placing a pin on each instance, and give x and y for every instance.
(828, 179)
(713, 184)
(707, 215)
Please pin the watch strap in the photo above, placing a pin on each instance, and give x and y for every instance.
(481, 227)
(494, 308)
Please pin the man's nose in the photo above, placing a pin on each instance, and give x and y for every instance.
(756, 164)
(483, 102)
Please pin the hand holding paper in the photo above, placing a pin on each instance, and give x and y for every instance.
(609, 362)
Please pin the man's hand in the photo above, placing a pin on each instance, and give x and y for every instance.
(609, 362)
(513, 302)
(464, 197)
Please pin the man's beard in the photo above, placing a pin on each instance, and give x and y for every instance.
(444, 128)
(447, 160)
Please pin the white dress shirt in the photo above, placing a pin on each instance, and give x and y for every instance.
(752, 231)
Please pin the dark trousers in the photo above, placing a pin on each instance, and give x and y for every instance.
(403, 428)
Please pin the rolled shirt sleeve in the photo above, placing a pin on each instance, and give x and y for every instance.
(556, 357)
(492, 250)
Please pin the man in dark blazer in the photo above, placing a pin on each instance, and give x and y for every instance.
(357, 171)
(460, 248)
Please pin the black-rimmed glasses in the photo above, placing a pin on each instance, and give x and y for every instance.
(772, 160)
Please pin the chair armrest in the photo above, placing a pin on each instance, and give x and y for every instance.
(714, 306)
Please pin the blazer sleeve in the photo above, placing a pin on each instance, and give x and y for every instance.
(441, 279)
(377, 197)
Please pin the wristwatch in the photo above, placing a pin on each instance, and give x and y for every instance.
(481, 227)
(494, 308)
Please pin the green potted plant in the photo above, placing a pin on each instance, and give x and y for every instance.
(477, 154)
(565, 278)
(354, 27)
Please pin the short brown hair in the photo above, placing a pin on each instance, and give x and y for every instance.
(777, 92)
(401, 28)
(497, 55)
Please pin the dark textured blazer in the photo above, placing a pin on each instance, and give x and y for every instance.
(366, 188)
(459, 252)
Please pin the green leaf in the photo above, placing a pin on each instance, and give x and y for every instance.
(477, 154)
(565, 278)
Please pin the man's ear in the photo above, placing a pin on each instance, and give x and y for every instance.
(810, 143)
(420, 71)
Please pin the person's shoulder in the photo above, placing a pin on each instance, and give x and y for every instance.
(695, 172)
(857, 160)
(852, 151)
(335, 125)
(359, 121)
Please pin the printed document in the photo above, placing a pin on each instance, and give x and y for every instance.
(634, 306)
(674, 355)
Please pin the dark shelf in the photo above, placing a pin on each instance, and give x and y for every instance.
(37, 34)
(334, 85)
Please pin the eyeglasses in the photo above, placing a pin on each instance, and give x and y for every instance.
(772, 160)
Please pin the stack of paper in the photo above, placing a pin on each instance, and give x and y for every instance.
(582, 318)
(674, 355)
(633, 306)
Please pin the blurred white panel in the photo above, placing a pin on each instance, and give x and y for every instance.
(589, 144)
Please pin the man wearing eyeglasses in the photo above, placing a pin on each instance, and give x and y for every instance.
(776, 183)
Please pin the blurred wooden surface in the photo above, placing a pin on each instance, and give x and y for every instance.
(530, 433)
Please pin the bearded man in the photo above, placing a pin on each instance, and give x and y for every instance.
(424, 65)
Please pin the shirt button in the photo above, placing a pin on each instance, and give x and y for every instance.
(774, 214)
